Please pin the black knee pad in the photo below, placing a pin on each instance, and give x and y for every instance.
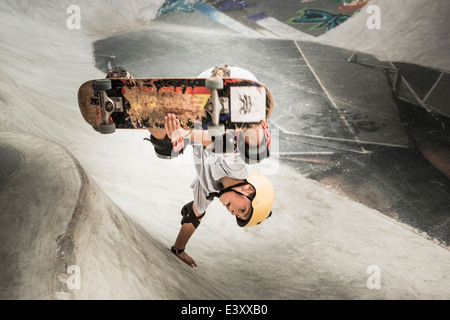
(189, 215)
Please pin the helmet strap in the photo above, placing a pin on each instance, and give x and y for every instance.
(212, 195)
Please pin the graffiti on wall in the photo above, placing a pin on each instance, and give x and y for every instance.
(181, 5)
(319, 18)
(329, 18)
(188, 5)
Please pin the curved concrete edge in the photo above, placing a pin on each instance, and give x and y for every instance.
(53, 217)
(46, 203)
(62, 237)
(37, 201)
(10, 160)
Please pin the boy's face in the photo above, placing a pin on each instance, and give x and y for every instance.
(237, 204)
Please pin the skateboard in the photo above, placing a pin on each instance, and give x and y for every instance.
(217, 103)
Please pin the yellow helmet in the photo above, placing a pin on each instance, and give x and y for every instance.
(262, 201)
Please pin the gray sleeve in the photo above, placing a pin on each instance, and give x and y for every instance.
(210, 168)
(200, 194)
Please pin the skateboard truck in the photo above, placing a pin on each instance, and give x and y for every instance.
(108, 105)
(216, 106)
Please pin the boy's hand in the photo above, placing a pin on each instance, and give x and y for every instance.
(186, 259)
(173, 127)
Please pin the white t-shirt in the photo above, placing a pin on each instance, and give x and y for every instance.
(210, 168)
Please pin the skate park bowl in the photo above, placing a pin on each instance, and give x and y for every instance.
(359, 161)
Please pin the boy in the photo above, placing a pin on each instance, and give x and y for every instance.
(221, 172)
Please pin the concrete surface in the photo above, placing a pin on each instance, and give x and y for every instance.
(91, 210)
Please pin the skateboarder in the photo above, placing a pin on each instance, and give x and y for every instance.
(249, 197)
(221, 172)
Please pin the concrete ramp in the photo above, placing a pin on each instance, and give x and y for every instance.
(61, 237)
(37, 202)
(90, 216)
(410, 31)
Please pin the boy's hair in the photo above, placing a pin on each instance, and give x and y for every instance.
(225, 68)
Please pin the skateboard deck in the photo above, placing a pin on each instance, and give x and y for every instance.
(124, 103)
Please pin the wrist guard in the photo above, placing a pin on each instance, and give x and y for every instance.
(176, 251)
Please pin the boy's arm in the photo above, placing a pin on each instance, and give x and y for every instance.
(185, 233)
(174, 131)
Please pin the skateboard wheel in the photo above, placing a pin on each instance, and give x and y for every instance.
(107, 128)
(215, 131)
(102, 85)
(214, 83)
